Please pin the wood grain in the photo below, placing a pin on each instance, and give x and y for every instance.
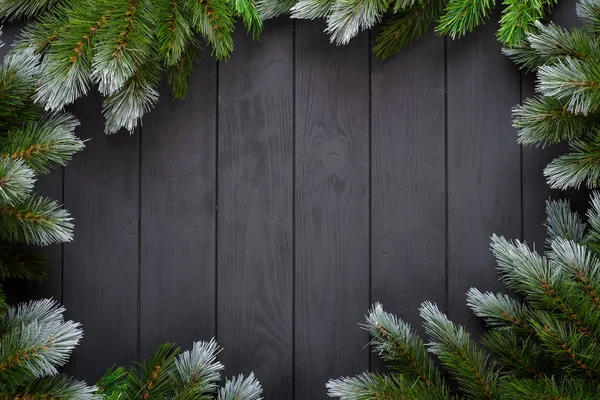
(408, 203)
(178, 215)
(332, 208)
(255, 163)
(484, 168)
(101, 265)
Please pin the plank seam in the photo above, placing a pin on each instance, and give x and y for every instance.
(216, 317)
(446, 165)
(294, 209)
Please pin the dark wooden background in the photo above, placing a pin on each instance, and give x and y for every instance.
(299, 183)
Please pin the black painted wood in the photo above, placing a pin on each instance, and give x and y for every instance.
(332, 208)
(255, 236)
(408, 200)
(484, 195)
(100, 279)
(178, 191)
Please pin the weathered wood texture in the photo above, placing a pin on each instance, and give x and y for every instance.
(298, 183)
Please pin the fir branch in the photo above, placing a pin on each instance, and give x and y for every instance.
(402, 348)
(153, 378)
(581, 165)
(43, 144)
(37, 220)
(525, 56)
(22, 262)
(400, 28)
(246, 9)
(16, 181)
(462, 16)
(240, 388)
(562, 223)
(544, 120)
(475, 372)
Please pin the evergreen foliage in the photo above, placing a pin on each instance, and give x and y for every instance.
(124, 47)
(32, 142)
(173, 374)
(35, 341)
(405, 20)
(566, 107)
(544, 344)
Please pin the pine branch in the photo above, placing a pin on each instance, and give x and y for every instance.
(42, 312)
(373, 386)
(593, 215)
(518, 355)
(312, 9)
(36, 350)
(126, 107)
(37, 221)
(67, 64)
(16, 181)
(562, 223)
(589, 12)
(22, 262)
(153, 380)
(549, 388)
(240, 388)
(400, 28)
(43, 144)
(500, 311)
(402, 348)
(462, 16)
(178, 75)
(581, 165)
(11, 10)
(268, 9)
(124, 45)
(348, 17)
(198, 371)
(247, 11)
(572, 80)
(215, 21)
(475, 372)
(572, 349)
(519, 18)
(174, 30)
(543, 120)
(50, 387)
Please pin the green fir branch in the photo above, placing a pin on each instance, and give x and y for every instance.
(241, 388)
(462, 16)
(563, 223)
(50, 387)
(581, 165)
(22, 262)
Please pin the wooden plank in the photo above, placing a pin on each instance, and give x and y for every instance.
(101, 265)
(332, 208)
(178, 215)
(408, 200)
(255, 162)
(535, 189)
(484, 173)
